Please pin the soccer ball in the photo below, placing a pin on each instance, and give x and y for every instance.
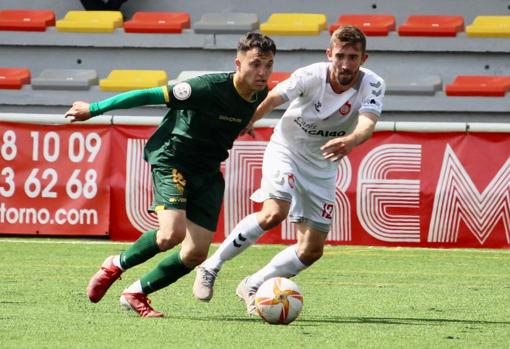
(279, 301)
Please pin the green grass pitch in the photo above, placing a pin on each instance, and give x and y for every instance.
(354, 297)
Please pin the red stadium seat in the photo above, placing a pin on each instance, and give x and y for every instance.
(371, 25)
(432, 26)
(14, 78)
(276, 77)
(473, 85)
(157, 22)
(26, 20)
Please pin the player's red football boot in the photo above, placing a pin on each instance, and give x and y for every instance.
(102, 280)
(139, 303)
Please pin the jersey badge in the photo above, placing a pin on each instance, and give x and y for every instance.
(345, 109)
(182, 91)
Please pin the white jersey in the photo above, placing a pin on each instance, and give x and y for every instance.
(317, 114)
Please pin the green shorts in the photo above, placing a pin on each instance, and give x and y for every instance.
(200, 196)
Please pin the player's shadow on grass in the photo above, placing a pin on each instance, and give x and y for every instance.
(394, 321)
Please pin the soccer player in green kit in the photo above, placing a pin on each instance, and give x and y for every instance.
(206, 114)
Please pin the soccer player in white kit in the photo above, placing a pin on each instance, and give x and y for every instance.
(334, 107)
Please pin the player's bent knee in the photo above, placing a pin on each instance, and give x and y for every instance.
(193, 258)
(271, 218)
(309, 257)
(168, 239)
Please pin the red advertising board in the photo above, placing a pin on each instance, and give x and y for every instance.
(54, 179)
(397, 189)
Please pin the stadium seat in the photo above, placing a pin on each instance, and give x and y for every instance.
(473, 85)
(26, 20)
(371, 25)
(90, 21)
(226, 23)
(276, 77)
(294, 24)
(432, 26)
(404, 84)
(157, 22)
(14, 78)
(489, 26)
(125, 80)
(65, 79)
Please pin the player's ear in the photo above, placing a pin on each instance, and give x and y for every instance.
(364, 59)
(237, 62)
(329, 54)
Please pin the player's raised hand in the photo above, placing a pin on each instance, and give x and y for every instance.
(248, 130)
(80, 111)
(336, 148)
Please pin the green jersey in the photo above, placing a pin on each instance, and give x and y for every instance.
(205, 117)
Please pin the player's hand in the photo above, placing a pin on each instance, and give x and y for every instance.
(248, 130)
(336, 148)
(80, 111)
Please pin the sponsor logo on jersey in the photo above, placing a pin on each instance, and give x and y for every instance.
(313, 130)
(318, 106)
(182, 91)
(177, 199)
(230, 119)
(345, 109)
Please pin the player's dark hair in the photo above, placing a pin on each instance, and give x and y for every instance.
(256, 40)
(349, 35)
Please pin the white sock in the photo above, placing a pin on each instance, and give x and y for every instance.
(136, 287)
(284, 264)
(245, 234)
(116, 262)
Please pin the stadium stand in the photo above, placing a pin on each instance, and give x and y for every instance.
(227, 23)
(65, 79)
(125, 80)
(26, 20)
(489, 26)
(432, 26)
(14, 78)
(496, 86)
(90, 21)
(294, 24)
(412, 63)
(157, 22)
(370, 24)
(413, 85)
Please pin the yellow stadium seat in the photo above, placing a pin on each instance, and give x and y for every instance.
(125, 80)
(90, 21)
(489, 26)
(294, 24)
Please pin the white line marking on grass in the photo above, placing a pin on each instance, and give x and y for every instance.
(70, 242)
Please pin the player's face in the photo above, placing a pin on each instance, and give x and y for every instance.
(254, 68)
(346, 61)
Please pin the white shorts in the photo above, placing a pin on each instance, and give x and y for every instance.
(310, 192)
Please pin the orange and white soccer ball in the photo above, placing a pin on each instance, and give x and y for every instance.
(279, 301)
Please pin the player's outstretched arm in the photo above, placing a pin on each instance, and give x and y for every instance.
(81, 111)
(272, 100)
(337, 148)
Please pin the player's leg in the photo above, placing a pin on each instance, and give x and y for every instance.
(168, 184)
(288, 263)
(245, 234)
(205, 195)
(193, 251)
(276, 191)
